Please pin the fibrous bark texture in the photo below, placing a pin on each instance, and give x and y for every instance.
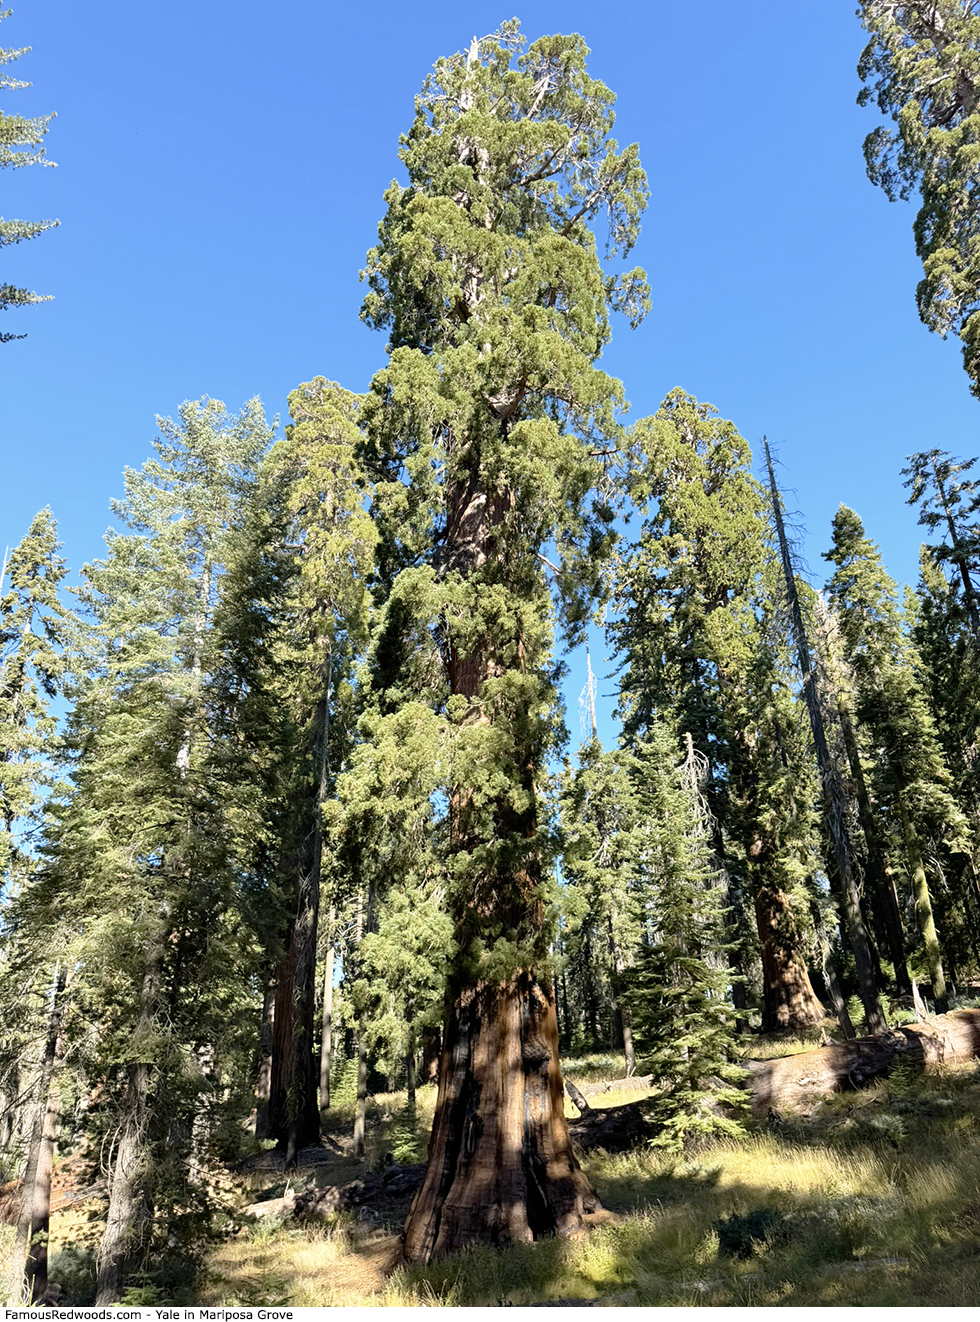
(501, 1166)
(789, 1000)
(294, 1116)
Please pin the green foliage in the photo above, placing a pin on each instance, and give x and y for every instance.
(921, 67)
(702, 645)
(482, 435)
(904, 764)
(21, 143)
(137, 874)
(34, 634)
(601, 900)
(678, 989)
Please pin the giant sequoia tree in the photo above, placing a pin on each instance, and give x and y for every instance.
(700, 647)
(921, 67)
(483, 437)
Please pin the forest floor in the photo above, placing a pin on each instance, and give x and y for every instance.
(874, 1198)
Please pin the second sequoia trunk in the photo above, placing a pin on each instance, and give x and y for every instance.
(789, 1001)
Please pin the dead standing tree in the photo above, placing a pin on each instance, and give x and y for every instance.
(834, 795)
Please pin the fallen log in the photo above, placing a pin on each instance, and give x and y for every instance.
(794, 1083)
(615, 1128)
(384, 1190)
(633, 1083)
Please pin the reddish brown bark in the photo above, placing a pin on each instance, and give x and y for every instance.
(294, 1116)
(294, 1100)
(501, 1168)
(789, 1000)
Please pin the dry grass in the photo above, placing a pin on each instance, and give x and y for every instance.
(306, 1271)
(874, 1200)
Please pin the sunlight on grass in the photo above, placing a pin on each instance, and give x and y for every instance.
(873, 1199)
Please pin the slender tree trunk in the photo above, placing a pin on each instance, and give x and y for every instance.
(923, 913)
(364, 923)
(590, 999)
(360, 1111)
(326, 1028)
(624, 1023)
(969, 593)
(879, 884)
(431, 1051)
(130, 1211)
(834, 798)
(565, 1037)
(410, 1071)
(31, 1247)
(830, 979)
(264, 1082)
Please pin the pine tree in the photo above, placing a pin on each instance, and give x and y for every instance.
(137, 860)
(600, 821)
(483, 436)
(678, 990)
(21, 143)
(950, 501)
(950, 666)
(921, 67)
(834, 797)
(320, 631)
(34, 633)
(836, 682)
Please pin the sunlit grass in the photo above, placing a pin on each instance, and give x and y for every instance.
(874, 1199)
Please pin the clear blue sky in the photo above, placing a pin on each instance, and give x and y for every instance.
(220, 171)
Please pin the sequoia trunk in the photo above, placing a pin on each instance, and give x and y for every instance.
(501, 1167)
(294, 1117)
(789, 1000)
(294, 1108)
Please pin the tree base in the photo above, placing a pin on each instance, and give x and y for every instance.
(501, 1169)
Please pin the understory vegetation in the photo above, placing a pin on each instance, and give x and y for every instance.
(870, 1200)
